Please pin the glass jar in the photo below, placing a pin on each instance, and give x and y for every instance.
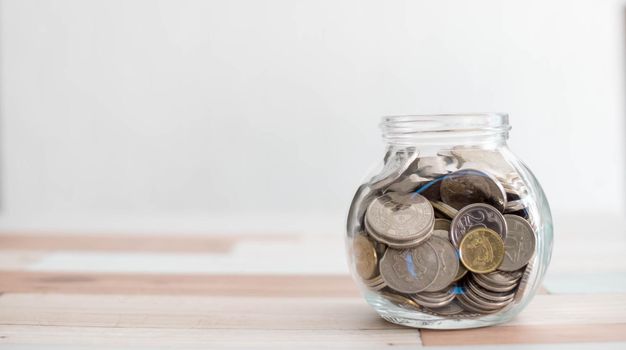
(452, 230)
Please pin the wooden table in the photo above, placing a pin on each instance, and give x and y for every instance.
(75, 291)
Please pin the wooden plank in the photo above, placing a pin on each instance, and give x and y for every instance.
(550, 318)
(174, 284)
(189, 312)
(135, 243)
(268, 313)
(206, 338)
(526, 334)
(177, 284)
(573, 309)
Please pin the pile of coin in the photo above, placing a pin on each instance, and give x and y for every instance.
(445, 234)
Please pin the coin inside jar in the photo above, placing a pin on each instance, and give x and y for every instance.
(519, 245)
(476, 215)
(400, 300)
(468, 186)
(444, 209)
(365, 257)
(409, 270)
(481, 250)
(491, 159)
(400, 220)
(395, 166)
(453, 308)
(448, 264)
(442, 224)
(362, 199)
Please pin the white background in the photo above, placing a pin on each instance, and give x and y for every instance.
(262, 115)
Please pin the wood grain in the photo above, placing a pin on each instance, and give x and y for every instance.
(188, 312)
(175, 284)
(131, 243)
(63, 307)
(151, 338)
(526, 334)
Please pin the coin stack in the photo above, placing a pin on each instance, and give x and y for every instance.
(449, 234)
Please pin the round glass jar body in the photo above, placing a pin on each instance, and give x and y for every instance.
(451, 230)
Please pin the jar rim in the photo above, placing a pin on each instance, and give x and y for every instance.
(412, 128)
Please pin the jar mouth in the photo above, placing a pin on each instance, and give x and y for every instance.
(472, 128)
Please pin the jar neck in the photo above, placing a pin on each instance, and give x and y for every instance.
(474, 129)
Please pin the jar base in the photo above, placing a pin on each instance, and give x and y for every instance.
(419, 319)
(441, 324)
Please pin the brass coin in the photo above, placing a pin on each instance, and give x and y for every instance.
(481, 250)
(365, 257)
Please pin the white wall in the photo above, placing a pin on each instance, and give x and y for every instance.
(233, 115)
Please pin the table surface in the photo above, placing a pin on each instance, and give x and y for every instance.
(75, 291)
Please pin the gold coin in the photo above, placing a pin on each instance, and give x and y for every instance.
(365, 257)
(481, 250)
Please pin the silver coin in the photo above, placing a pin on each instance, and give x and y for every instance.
(441, 233)
(376, 283)
(407, 184)
(462, 272)
(431, 167)
(386, 241)
(468, 186)
(362, 199)
(409, 270)
(519, 245)
(431, 304)
(483, 293)
(445, 209)
(373, 281)
(400, 217)
(493, 160)
(471, 306)
(448, 264)
(476, 215)
(513, 195)
(513, 182)
(519, 204)
(484, 303)
(393, 169)
(434, 300)
(502, 277)
(442, 224)
(523, 282)
(437, 296)
(400, 301)
(453, 308)
(393, 154)
(380, 248)
(493, 287)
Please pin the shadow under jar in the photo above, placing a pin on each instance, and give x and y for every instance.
(452, 230)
